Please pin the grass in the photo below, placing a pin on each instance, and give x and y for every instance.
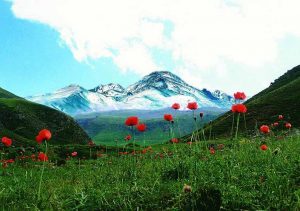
(241, 176)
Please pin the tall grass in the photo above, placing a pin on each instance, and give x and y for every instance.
(240, 176)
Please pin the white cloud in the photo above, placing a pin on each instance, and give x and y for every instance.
(135, 58)
(206, 33)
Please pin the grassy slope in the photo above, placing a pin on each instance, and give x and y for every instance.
(21, 120)
(6, 94)
(282, 97)
(239, 177)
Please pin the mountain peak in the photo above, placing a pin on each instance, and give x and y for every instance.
(154, 91)
(158, 80)
(109, 90)
(71, 88)
(162, 74)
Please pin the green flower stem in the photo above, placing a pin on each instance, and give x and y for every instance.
(203, 134)
(231, 132)
(237, 126)
(43, 169)
(178, 127)
(170, 136)
(132, 133)
(210, 128)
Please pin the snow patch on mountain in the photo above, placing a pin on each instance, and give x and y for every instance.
(157, 90)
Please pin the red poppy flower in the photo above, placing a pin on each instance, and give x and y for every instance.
(141, 127)
(239, 96)
(280, 117)
(264, 147)
(275, 124)
(128, 137)
(174, 140)
(74, 154)
(265, 129)
(288, 125)
(38, 139)
(44, 135)
(132, 121)
(176, 106)
(42, 157)
(239, 108)
(6, 141)
(189, 143)
(10, 161)
(192, 106)
(212, 151)
(168, 117)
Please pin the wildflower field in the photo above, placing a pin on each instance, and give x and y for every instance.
(253, 170)
(236, 175)
(140, 105)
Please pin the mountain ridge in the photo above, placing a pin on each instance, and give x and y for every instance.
(154, 91)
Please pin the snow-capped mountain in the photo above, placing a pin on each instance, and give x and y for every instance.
(109, 90)
(157, 90)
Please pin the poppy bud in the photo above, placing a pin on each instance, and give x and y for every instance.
(128, 138)
(264, 147)
(187, 188)
(74, 154)
(288, 125)
(201, 115)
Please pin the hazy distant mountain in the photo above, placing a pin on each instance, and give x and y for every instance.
(155, 91)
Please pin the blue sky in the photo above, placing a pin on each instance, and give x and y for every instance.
(32, 60)
(228, 45)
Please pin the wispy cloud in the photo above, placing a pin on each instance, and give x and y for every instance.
(207, 38)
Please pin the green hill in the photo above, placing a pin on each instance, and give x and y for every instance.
(281, 97)
(22, 120)
(6, 94)
(107, 127)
